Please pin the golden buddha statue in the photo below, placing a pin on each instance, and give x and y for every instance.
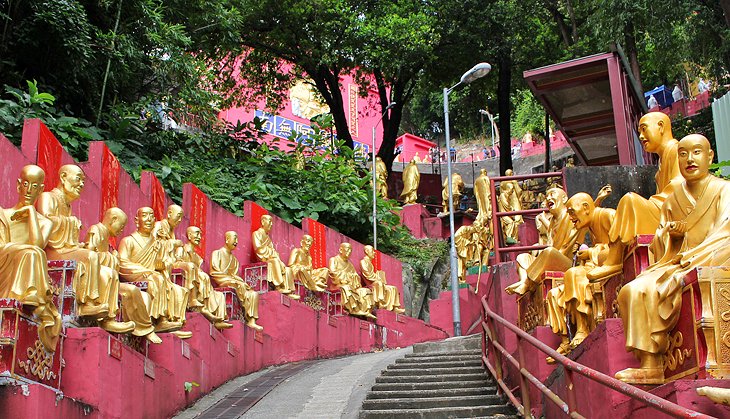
(96, 286)
(411, 179)
(384, 296)
(214, 304)
(634, 214)
(693, 231)
(570, 162)
(224, 270)
(483, 195)
(300, 263)
(142, 257)
(278, 273)
(509, 200)
(23, 265)
(472, 246)
(575, 295)
(173, 253)
(457, 185)
(381, 174)
(358, 300)
(134, 300)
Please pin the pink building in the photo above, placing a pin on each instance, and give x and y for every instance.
(411, 145)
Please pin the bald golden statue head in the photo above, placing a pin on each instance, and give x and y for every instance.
(345, 250)
(370, 251)
(195, 235)
(231, 240)
(115, 220)
(145, 220)
(267, 222)
(555, 200)
(71, 181)
(30, 184)
(174, 215)
(306, 242)
(655, 131)
(580, 209)
(695, 157)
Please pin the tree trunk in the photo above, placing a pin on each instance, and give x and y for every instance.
(725, 4)
(632, 53)
(503, 109)
(328, 84)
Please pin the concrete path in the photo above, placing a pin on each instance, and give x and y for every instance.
(320, 389)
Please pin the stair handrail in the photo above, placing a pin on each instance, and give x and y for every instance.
(489, 337)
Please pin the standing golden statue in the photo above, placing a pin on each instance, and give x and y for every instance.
(457, 185)
(634, 214)
(510, 200)
(483, 195)
(23, 265)
(214, 303)
(142, 257)
(694, 230)
(384, 296)
(411, 180)
(278, 273)
(358, 300)
(472, 246)
(300, 263)
(96, 286)
(381, 174)
(173, 254)
(134, 300)
(224, 270)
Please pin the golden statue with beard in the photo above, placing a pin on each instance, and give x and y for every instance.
(384, 295)
(214, 306)
(142, 257)
(224, 271)
(694, 230)
(358, 300)
(300, 263)
(96, 286)
(134, 300)
(23, 265)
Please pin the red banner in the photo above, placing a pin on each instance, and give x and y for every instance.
(199, 215)
(109, 181)
(49, 156)
(378, 262)
(158, 198)
(256, 212)
(318, 251)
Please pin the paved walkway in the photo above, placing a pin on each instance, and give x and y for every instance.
(327, 388)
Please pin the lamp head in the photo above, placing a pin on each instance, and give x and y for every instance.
(478, 71)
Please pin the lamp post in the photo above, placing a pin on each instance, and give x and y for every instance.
(478, 71)
(375, 180)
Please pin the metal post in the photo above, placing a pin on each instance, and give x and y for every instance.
(375, 197)
(456, 310)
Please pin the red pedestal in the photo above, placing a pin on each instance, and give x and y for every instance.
(412, 216)
(638, 256)
(682, 392)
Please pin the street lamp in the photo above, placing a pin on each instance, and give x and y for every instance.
(375, 180)
(478, 71)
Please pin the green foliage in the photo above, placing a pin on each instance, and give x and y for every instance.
(419, 253)
(528, 116)
(188, 385)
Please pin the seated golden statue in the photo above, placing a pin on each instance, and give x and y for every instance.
(173, 253)
(224, 271)
(634, 214)
(358, 300)
(575, 296)
(23, 264)
(457, 185)
(471, 247)
(694, 230)
(278, 273)
(300, 263)
(509, 200)
(142, 257)
(214, 302)
(96, 286)
(384, 295)
(411, 179)
(381, 174)
(134, 301)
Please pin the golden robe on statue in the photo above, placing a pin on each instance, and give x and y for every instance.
(358, 300)
(214, 305)
(300, 263)
(411, 179)
(24, 277)
(384, 295)
(224, 270)
(197, 289)
(278, 274)
(649, 305)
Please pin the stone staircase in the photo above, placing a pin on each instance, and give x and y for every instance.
(438, 380)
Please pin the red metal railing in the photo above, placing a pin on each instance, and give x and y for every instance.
(569, 407)
(499, 246)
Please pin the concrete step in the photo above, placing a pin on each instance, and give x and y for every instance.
(436, 362)
(420, 378)
(450, 345)
(500, 411)
(394, 370)
(447, 355)
(441, 392)
(432, 402)
(434, 385)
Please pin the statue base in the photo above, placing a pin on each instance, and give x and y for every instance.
(412, 216)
